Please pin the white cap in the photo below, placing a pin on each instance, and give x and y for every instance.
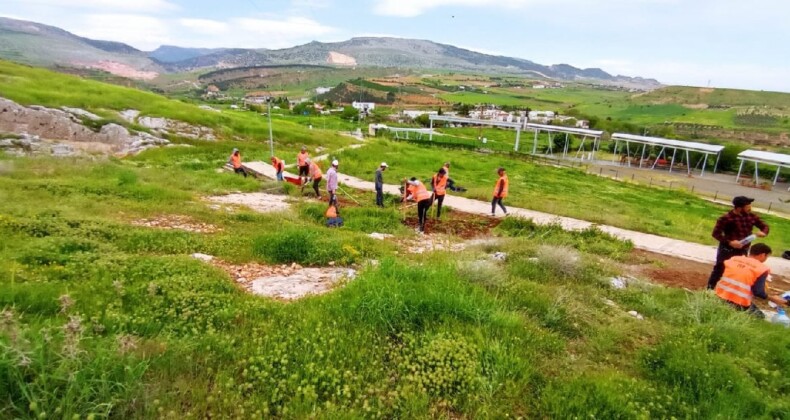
(335, 162)
(384, 164)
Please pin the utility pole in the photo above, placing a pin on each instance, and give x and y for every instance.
(271, 138)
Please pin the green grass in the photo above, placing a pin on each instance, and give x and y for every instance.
(561, 191)
(102, 318)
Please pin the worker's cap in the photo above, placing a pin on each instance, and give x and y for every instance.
(235, 150)
(335, 162)
(384, 165)
(741, 201)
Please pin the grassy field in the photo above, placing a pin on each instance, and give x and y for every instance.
(104, 319)
(566, 192)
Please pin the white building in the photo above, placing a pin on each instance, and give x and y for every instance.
(364, 106)
(322, 90)
(414, 113)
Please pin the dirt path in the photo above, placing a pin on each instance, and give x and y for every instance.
(653, 243)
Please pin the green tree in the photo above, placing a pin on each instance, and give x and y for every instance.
(350, 113)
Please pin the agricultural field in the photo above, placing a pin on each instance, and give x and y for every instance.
(105, 313)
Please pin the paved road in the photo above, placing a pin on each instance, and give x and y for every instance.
(653, 243)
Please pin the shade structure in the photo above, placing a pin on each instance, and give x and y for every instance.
(686, 147)
(475, 121)
(586, 134)
(768, 158)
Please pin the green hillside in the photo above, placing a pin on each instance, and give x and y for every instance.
(105, 315)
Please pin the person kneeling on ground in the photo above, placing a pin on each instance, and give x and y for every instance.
(500, 191)
(744, 278)
(315, 175)
(416, 191)
(235, 161)
(279, 166)
(333, 218)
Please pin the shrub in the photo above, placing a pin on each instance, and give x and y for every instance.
(313, 246)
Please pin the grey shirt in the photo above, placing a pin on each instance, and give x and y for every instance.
(379, 178)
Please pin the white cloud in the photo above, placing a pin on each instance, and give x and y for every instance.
(277, 33)
(105, 5)
(205, 26)
(141, 31)
(411, 8)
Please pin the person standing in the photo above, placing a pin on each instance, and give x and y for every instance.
(279, 166)
(439, 187)
(315, 175)
(235, 161)
(500, 191)
(331, 183)
(416, 191)
(379, 183)
(744, 278)
(731, 230)
(304, 167)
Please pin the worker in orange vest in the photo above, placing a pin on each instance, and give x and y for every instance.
(279, 166)
(333, 218)
(439, 187)
(315, 176)
(301, 162)
(500, 191)
(416, 191)
(235, 161)
(744, 278)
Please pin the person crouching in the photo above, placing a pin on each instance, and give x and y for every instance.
(416, 191)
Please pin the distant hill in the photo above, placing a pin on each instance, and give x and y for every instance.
(43, 45)
(48, 46)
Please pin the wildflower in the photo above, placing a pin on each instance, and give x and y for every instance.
(118, 287)
(126, 343)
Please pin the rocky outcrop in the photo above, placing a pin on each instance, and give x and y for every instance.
(168, 127)
(41, 130)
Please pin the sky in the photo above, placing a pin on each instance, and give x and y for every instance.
(717, 43)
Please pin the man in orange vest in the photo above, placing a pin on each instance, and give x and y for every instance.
(500, 191)
(235, 160)
(315, 175)
(416, 191)
(301, 162)
(333, 218)
(279, 166)
(744, 278)
(439, 187)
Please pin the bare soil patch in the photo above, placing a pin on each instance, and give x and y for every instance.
(260, 202)
(176, 222)
(286, 282)
(681, 273)
(463, 225)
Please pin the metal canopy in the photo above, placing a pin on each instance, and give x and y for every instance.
(475, 121)
(757, 156)
(551, 130)
(674, 145)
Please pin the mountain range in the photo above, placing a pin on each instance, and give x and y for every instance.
(43, 45)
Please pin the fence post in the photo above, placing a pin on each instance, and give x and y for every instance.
(600, 173)
(769, 206)
(715, 197)
(615, 175)
(692, 188)
(670, 184)
(651, 182)
(632, 177)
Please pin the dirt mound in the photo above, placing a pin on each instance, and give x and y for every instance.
(260, 202)
(286, 282)
(463, 225)
(175, 222)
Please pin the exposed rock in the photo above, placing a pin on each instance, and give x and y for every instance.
(166, 126)
(153, 123)
(129, 115)
(202, 257)
(81, 113)
(260, 202)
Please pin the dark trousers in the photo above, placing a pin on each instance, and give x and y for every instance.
(315, 187)
(724, 253)
(751, 309)
(494, 202)
(332, 198)
(240, 171)
(380, 195)
(304, 171)
(422, 212)
(439, 201)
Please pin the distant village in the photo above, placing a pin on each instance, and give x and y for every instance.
(489, 112)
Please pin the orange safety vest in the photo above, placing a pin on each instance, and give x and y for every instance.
(236, 160)
(278, 164)
(419, 193)
(740, 274)
(504, 182)
(301, 158)
(439, 184)
(315, 171)
(331, 212)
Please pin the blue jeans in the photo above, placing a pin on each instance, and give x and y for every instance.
(280, 176)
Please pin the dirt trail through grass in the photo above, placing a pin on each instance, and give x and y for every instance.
(653, 243)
